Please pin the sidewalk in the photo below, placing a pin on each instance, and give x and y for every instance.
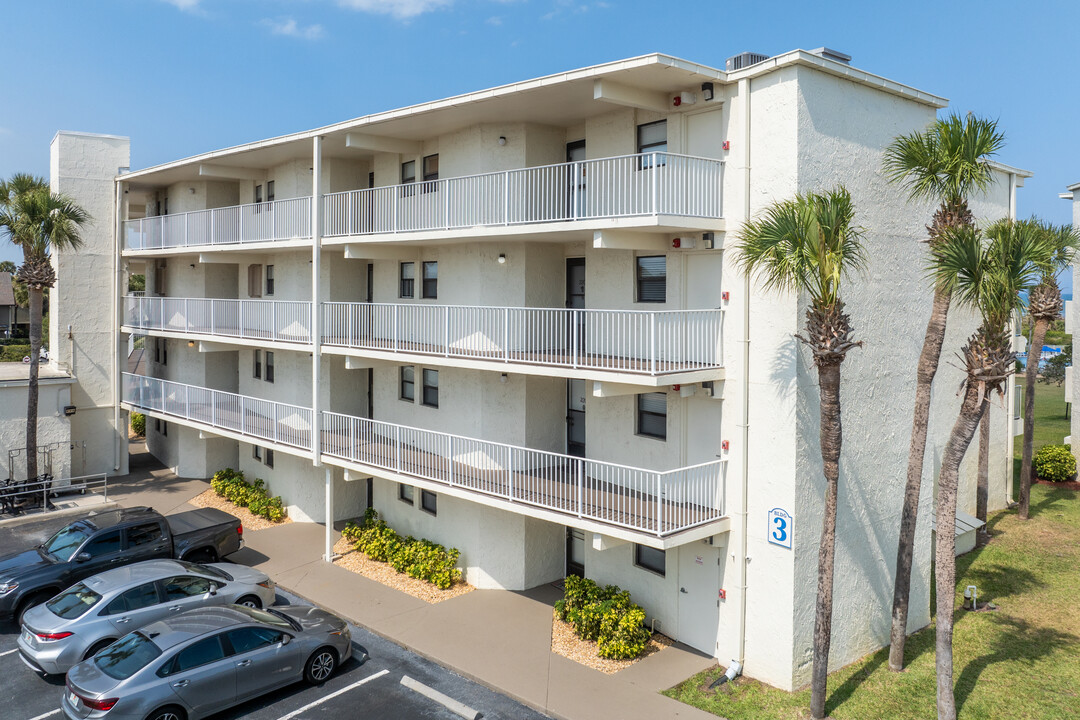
(498, 638)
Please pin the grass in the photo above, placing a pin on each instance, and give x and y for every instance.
(1051, 425)
(1022, 661)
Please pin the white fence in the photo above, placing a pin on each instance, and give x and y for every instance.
(259, 222)
(659, 503)
(650, 342)
(625, 186)
(280, 320)
(263, 419)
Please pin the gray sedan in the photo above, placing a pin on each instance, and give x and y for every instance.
(200, 662)
(90, 615)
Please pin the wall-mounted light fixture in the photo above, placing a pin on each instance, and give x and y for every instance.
(192, 266)
(191, 190)
(502, 140)
(191, 343)
(502, 258)
(707, 90)
(503, 378)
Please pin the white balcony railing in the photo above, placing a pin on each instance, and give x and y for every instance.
(659, 503)
(259, 222)
(648, 184)
(275, 422)
(647, 342)
(278, 320)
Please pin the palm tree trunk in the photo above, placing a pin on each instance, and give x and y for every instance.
(1038, 334)
(831, 439)
(982, 484)
(928, 365)
(971, 411)
(32, 388)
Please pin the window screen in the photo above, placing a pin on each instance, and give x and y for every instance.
(652, 279)
(652, 415)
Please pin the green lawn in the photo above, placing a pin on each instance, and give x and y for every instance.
(1051, 425)
(1022, 661)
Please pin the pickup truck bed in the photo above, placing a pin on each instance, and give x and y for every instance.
(204, 528)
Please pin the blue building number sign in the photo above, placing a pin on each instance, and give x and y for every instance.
(780, 527)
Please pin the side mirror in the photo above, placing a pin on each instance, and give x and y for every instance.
(83, 557)
(213, 589)
(285, 639)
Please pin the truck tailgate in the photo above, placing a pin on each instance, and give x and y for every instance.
(193, 521)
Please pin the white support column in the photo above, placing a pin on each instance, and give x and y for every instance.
(328, 556)
(316, 308)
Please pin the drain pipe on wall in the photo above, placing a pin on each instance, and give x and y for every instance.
(118, 445)
(736, 667)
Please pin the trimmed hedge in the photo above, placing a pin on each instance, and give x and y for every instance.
(605, 615)
(1055, 463)
(138, 423)
(417, 558)
(231, 485)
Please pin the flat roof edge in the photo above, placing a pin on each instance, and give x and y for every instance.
(997, 165)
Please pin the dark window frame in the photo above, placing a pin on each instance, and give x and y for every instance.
(429, 286)
(269, 191)
(644, 148)
(409, 384)
(407, 286)
(256, 365)
(269, 457)
(256, 452)
(643, 561)
(408, 181)
(406, 494)
(269, 276)
(269, 366)
(429, 400)
(645, 286)
(641, 415)
(429, 502)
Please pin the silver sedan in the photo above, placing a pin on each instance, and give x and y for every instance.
(203, 661)
(90, 615)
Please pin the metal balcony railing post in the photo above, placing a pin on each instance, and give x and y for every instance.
(273, 221)
(580, 485)
(446, 331)
(652, 343)
(273, 320)
(510, 473)
(240, 318)
(506, 334)
(187, 316)
(212, 232)
(395, 336)
(659, 503)
(450, 461)
(397, 448)
(655, 170)
(506, 197)
(575, 339)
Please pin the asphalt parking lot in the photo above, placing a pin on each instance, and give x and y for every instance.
(372, 688)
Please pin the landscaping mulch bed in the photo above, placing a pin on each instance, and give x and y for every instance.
(250, 520)
(359, 563)
(564, 642)
(1072, 485)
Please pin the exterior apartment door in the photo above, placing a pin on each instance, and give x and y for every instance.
(575, 153)
(575, 418)
(575, 299)
(699, 595)
(575, 552)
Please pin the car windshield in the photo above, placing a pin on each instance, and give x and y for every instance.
(127, 656)
(73, 602)
(204, 570)
(66, 541)
(269, 617)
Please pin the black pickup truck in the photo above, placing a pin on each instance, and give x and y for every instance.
(104, 540)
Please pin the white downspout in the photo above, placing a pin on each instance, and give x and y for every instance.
(316, 337)
(121, 434)
(744, 95)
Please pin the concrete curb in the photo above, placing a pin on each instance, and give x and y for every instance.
(84, 510)
(458, 708)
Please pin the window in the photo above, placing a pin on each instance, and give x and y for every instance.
(144, 534)
(134, 599)
(408, 383)
(105, 544)
(165, 428)
(201, 653)
(652, 415)
(431, 280)
(247, 639)
(161, 351)
(269, 366)
(405, 493)
(370, 297)
(269, 279)
(431, 388)
(258, 193)
(431, 167)
(652, 279)
(185, 586)
(269, 191)
(408, 172)
(650, 559)
(429, 502)
(408, 276)
(159, 278)
(652, 137)
(269, 458)
(157, 350)
(256, 452)
(254, 281)
(256, 368)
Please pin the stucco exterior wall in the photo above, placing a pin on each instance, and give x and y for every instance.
(53, 427)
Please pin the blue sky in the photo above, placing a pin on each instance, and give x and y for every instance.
(186, 76)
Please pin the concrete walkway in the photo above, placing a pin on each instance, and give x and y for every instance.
(498, 638)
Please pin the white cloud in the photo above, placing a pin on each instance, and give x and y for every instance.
(185, 5)
(494, 20)
(400, 9)
(290, 28)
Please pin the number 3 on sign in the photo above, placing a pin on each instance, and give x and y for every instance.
(780, 527)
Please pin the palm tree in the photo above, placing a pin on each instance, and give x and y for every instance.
(1044, 306)
(37, 220)
(807, 245)
(945, 163)
(988, 278)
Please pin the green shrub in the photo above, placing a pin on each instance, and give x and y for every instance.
(417, 558)
(1055, 463)
(231, 485)
(138, 423)
(605, 615)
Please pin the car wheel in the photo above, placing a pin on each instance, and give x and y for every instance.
(32, 601)
(205, 555)
(167, 713)
(97, 647)
(320, 666)
(250, 601)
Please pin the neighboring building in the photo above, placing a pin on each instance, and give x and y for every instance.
(56, 453)
(12, 317)
(510, 321)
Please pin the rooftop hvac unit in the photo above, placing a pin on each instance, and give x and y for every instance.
(744, 60)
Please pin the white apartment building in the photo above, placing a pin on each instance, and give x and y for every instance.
(510, 321)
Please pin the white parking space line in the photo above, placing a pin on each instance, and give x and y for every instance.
(8, 652)
(45, 715)
(454, 706)
(321, 700)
